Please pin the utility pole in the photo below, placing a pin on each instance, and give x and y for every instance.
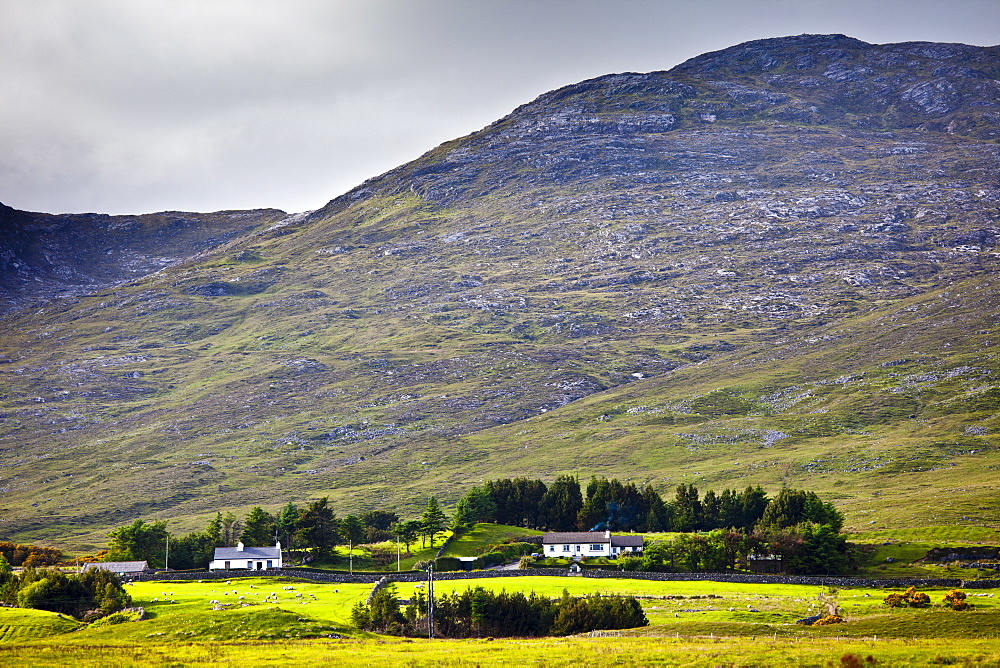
(397, 554)
(166, 555)
(430, 601)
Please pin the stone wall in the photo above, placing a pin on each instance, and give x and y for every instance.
(749, 578)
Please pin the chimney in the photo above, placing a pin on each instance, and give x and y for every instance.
(239, 546)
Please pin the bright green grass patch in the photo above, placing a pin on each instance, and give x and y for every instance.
(726, 608)
(17, 624)
(470, 542)
(330, 603)
(941, 535)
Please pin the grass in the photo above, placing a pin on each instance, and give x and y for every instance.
(619, 651)
(691, 624)
(472, 542)
(18, 625)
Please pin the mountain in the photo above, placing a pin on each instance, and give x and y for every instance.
(773, 264)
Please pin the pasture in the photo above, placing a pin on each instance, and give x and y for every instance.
(277, 621)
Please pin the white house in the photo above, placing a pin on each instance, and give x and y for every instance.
(589, 544)
(246, 558)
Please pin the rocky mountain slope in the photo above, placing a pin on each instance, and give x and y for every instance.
(771, 264)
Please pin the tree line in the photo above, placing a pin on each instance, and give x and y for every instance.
(616, 506)
(314, 527)
(804, 549)
(477, 612)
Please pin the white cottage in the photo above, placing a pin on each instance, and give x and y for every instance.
(589, 544)
(246, 558)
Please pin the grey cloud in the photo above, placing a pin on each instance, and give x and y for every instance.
(125, 107)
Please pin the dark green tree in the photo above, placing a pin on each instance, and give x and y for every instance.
(139, 541)
(287, 523)
(687, 508)
(317, 527)
(824, 552)
(382, 615)
(232, 529)
(258, 528)
(379, 519)
(476, 505)
(214, 530)
(709, 511)
(52, 590)
(561, 503)
(407, 532)
(794, 506)
(753, 503)
(351, 530)
(433, 521)
(517, 500)
(195, 550)
(659, 516)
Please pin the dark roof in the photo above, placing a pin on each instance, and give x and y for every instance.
(627, 541)
(117, 566)
(234, 553)
(576, 537)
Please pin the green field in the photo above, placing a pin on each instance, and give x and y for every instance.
(691, 623)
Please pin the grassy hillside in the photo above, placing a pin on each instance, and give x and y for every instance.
(740, 295)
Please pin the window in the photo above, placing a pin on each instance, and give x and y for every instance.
(270, 564)
(597, 547)
(227, 565)
(552, 548)
(250, 565)
(565, 548)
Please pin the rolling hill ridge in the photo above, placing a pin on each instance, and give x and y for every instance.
(772, 264)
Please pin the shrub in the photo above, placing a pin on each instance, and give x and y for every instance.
(526, 562)
(894, 600)
(447, 564)
(493, 559)
(956, 599)
(910, 597)
(828, 619)
(598, 612)
(630, 563)
(132, 615)
(382, 616)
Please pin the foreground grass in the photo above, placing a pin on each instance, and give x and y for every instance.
(284, 621)
(619, 651)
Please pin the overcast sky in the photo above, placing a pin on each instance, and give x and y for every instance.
(133, 106)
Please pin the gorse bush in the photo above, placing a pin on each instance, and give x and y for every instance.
(955, 599)
(29, 556)
(910, 597)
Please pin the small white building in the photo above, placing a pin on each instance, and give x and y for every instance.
(589, 544)
(246, 558)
